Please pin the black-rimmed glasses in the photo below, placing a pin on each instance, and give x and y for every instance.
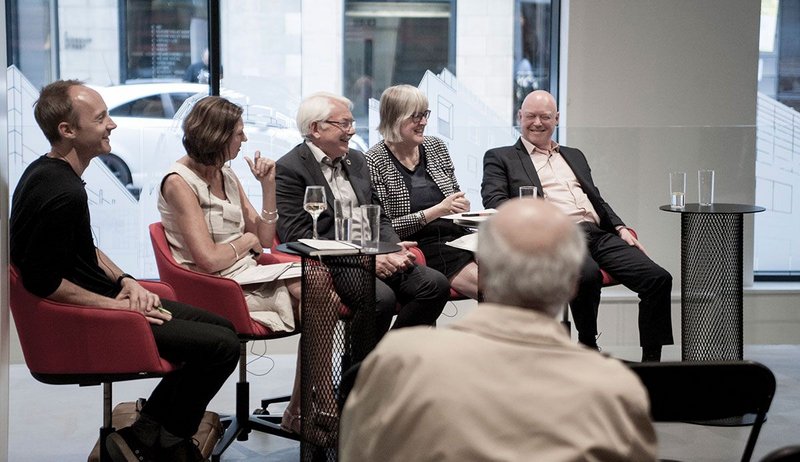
(418, 116)
(345, 125)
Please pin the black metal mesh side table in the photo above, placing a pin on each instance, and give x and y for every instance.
(338, 316)
(711, 282)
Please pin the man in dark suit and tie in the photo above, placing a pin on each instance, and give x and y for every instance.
(324, 159)
(562, 176)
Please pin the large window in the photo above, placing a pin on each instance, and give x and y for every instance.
(535, 66)
(389, 43)
(162, 38)
(136, 53)
(777, 242)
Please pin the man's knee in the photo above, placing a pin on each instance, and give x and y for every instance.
(433, 284)
(385, 299)
(660, 279)
(591, 276)
(228, 345)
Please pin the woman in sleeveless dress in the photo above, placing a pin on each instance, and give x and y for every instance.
(213, 228)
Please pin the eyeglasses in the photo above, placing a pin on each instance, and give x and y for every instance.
(344, 125)
(546, 117)
(417, 116)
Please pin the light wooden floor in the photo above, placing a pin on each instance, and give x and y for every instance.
(49, 423)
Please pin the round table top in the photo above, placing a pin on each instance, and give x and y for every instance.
(383, 248)
(714, 208)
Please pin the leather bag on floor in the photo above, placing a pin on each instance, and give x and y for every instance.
(125, 414)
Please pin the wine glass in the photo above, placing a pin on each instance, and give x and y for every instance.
(315, 203)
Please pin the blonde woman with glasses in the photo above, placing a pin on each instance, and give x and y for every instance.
(415, 181)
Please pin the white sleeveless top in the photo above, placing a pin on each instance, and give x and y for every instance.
(269, 303)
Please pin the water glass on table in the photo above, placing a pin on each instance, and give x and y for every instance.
(705, 186)
(343, 218)
(677, 189)
(370, 226)
(528, 192)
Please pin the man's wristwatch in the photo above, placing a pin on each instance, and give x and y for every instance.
(123, 276)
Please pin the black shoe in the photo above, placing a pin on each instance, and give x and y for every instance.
(124, 446)
(185, 451)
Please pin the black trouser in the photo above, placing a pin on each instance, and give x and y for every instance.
(631, 268)
(421, 292)
(205, 348)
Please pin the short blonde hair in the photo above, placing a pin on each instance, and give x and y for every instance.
(397, 104)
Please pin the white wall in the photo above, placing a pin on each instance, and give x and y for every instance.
(101, 65)
(654, 86)
(485, 51)
(322, 47)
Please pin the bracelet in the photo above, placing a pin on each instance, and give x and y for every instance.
(234, 250)
(270, 221)
(123, 276)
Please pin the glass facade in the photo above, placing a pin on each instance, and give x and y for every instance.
(533, 45)
(136, 53)
(777, 243)
(390, 43)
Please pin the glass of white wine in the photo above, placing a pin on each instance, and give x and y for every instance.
(315, 203)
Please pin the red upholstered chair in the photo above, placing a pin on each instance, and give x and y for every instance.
(420, 260)
(224, 297)
(608, 281)
(69, 344)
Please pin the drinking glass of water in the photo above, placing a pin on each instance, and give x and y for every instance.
(314, 202)
(342, 219)
(527, 192)
(677, 188)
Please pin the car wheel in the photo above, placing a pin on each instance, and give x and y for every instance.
(118, 168)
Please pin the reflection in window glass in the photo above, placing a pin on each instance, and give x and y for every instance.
(532, 47)
(30, 39)
(777, 243)
(143, 107)
(162, 37)
(389, 43)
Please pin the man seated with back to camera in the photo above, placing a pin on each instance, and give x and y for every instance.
(504, 382)
(52, 246)
(326, 122)
(562, 176)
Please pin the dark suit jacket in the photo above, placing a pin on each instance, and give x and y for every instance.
(297, 169)
(507, 168)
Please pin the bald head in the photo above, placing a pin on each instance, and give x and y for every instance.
(538, 118)
(531, 226)
(540, 98)
(530, 256)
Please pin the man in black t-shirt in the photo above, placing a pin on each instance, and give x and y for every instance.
(53, 248)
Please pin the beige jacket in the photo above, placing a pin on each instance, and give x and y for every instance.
(503, 384)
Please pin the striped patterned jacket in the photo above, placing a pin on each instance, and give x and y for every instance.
(392, 190)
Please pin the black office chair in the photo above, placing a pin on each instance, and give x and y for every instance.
(784, 454)
(716, 393)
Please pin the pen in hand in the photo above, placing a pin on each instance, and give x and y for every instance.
(163, 310)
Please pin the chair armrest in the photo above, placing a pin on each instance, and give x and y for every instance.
(420, 257)
(57, 338)
(162, 289)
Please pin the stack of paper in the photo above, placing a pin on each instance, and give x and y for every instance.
(267, 273)
(467, 242)
(319, 247)
(471, 219)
